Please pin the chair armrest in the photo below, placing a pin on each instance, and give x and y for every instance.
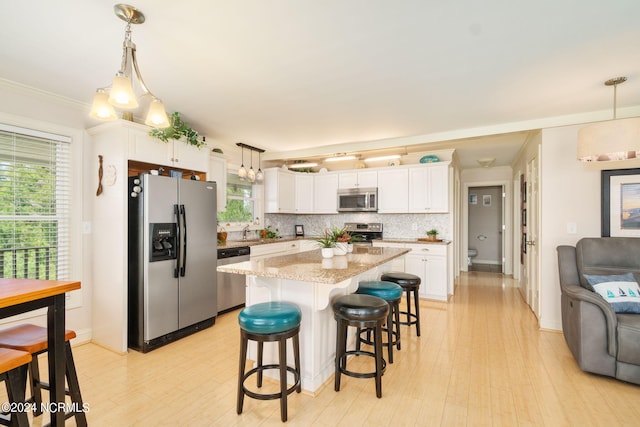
(579, 293)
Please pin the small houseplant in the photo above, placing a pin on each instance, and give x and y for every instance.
(176, 130)
(269, 233)
(432, 234)
(327, 243)
(342, 238)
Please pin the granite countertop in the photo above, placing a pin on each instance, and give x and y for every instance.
(405, 240)
(311, 267)
(254, 242)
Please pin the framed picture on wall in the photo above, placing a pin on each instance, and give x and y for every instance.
(473, 199)
(620, 203)
(299, 231)
(486, 200)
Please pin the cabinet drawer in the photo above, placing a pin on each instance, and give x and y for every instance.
(428, 249)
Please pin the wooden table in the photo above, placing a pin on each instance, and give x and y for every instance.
(22, 295)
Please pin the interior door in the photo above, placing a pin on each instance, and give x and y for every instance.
(532, 235)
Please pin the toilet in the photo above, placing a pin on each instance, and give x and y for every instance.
(471, 253)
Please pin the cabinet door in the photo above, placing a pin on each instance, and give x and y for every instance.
(393, 191)
(439, 188)
(304, 193)
(367, 179)
(325, 193)
(218, 173)
(419, 194)
(145, 148)
(279, 187)
(414, 264)
(435, 285)
(348, 179)
(190, 157)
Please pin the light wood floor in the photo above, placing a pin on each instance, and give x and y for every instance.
(481, 361)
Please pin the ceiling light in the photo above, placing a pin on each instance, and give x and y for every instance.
(251, 175)
(259, 174)
(302, 165)
(339, 158)
(610, 140)
(487, 162)
(121, 93)
(376, 159)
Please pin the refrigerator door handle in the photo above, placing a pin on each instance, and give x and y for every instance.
(183, 267)
(176, 270)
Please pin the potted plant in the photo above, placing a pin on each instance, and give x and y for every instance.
(177, 130)
(432, 234)
(342, 239)
(327, 244)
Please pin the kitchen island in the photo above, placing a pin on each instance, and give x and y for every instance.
(312, 282)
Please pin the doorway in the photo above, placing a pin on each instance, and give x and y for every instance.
(485, 229)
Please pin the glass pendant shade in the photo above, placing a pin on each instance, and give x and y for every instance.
(259, 176)
(101, 109)
(157, 115)
(251, 175)
(122, 95)
(242, 172)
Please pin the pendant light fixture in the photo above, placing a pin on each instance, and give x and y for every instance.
(251, 174)
(121, 94)
(242, 172)
(610, 140)
(259, 174)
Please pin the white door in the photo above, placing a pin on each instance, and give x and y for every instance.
(532, 236)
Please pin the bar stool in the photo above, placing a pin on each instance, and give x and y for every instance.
(13, 370)
(360, 311)
(391, 293)
(33, 339)
(269, 322)
(409, 283)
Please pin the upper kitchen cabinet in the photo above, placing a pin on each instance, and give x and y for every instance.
(325, 193)
(429, 188)
(304, 192)
(360, 178)
(393, 190)
(145, 148)
(279, 191)
(218, 173)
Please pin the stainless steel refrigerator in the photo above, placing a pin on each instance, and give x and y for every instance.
(172, 259)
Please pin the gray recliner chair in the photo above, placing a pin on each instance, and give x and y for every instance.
(602, 341)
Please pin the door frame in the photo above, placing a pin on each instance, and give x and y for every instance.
(507, 222)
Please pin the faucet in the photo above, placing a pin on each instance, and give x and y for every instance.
(244, 232)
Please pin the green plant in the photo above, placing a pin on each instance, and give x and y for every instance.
(340, 235)
(432, 232)
(326, 241)
(176, 130)
(270, 234)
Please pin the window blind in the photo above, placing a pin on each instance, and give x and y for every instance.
(35, 199)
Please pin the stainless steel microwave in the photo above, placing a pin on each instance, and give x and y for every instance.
(358, 199)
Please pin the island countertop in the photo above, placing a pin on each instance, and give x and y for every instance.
(309, 266)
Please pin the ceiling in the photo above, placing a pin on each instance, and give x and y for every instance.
(304, 77)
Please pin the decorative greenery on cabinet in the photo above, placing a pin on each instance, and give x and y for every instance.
(177, 130)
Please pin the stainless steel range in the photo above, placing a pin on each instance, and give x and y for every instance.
(363, 233)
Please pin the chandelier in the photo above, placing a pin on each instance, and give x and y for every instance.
(120, 94)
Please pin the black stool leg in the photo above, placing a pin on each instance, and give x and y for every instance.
(243, 357)
(74, 387)
(36, 387)
(282, 349)
(396, 310)
(417, 301)
(340, 348)
(390, 332)
(16, 381)
(296, 356)
(378, 356)
(260, 349)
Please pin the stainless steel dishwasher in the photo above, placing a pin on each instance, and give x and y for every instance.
(231, 287)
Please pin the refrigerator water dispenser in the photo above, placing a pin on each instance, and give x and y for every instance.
(163, 242)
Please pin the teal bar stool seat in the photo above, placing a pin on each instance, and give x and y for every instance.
(274, 321)
(392, 294)
(410, 283)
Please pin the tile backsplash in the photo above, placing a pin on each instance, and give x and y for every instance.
(395, 225)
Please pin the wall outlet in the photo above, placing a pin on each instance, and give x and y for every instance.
(86, 227)
(572, 228)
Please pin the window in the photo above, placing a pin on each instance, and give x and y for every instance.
(34, 204)
(242, 202)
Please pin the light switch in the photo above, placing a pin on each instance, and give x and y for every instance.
(572, 228)
(86, 227)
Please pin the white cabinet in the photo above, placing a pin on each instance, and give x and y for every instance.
(308, 245)
(393, 190)
(145, 148)
(274, 249)
(429, 262)
(397, 264)
(429, 189)
(325, 193)
(218, 173)
(304, 192)
(279, 187)
(358, 178)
